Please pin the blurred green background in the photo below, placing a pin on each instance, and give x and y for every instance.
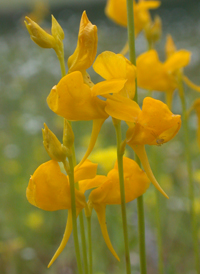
(29, 236)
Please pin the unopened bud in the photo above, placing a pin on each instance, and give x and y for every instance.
(153, 30)
(56, 29)
(44, 39)
(38, 35)
(68, 135)
(54, 148)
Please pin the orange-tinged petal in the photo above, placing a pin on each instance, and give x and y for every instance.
(122, 108)
(152, 74)
(86, 171)
(49, 189)
(177, 60)
(86, 49)
(73, 100)
(115, 66)
(101, 214)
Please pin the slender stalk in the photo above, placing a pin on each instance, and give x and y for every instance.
(140, 207)
(159, 235)
(70, 172)
(131, 38)
(190, 175)
(141, 231)
(62, 66)
(120, 153)
(83, 239)
(89, 244)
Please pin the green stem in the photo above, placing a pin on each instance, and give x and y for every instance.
(73, 207)
(89, 244)
(83, 239)
(159, 235)
(120, 153)
(141, 231)
(140, 207)
(131, 38)
(62, 66)
(190, 175)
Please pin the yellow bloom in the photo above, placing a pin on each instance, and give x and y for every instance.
(49, 189)
(117, 11)
(76, 101)
(86, 48)
(115, 66)
(155, 124)
(108, 193)
(171, 52)
(73, 100)
(155, 75)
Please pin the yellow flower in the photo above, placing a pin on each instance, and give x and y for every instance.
(115, 66)
(155, 75)
(76, 101)
(171, 53)
(152, 74)
(86, 48)
(108, 193)
(49, 189)
(155, 124)
(117, 11)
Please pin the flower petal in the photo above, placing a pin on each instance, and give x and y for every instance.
(86, 171)
(101, 214)
(177, 60)
(109, 86)
(72, 99)
(122, 108)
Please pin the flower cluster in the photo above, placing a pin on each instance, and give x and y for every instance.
(76, 98)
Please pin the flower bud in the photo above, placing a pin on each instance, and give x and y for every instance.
(38, 35)
(86, 48)
(153, 30)
(68, 135)
(56, 30)
(54, 148)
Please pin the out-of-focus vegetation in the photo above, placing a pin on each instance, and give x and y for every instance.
(30, 236)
